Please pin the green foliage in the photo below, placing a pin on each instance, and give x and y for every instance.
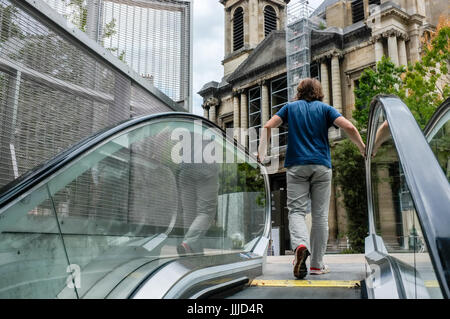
(110, 29)
(79, 18)
(79, 15)
(423, 86)
(9, 24)
(242, 177)
(385, 80)
(349, 251)
(426, 83)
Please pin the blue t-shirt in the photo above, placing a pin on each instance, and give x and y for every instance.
(308, 132)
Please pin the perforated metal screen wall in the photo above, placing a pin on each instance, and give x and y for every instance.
(152, 36)
(58, 87)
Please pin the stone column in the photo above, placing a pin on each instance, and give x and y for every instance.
(393, 49)
(421, 8)
(325, 82)
(379, 50)
(227, 38)
(366, 8)
(236, 124)
(402, 58)
(244, 119)
(205, 112)
(253, 22)
(414, 45)
(265, 104)
(336, 82)
(212, 113)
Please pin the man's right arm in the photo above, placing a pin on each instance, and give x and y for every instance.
(352, 133)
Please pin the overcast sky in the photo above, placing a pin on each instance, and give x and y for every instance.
(208, 42)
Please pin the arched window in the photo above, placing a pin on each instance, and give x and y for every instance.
(270, 20)
(238, 29)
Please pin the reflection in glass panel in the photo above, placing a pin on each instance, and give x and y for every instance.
(440, 144)
(396, 219)
(278, 89)
(254, 116)
(166, 189)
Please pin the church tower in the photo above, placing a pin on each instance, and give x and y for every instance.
(247, 23)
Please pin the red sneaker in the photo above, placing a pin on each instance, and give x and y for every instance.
(183, 249)
(301, 254)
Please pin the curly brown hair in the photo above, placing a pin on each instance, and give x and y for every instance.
(310, 90)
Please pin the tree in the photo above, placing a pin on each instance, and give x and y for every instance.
(426, 83)
(386, 79)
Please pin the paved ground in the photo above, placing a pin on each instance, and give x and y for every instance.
(278, 280)
(343, 267)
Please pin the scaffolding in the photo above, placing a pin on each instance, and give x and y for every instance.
(298, 43)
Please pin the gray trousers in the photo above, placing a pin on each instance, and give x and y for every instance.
(309, 183)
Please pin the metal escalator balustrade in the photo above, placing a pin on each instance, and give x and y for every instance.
(106, 218)
(408, 200)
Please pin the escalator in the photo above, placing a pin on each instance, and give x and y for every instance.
(136, 211)
(407, 250)
(139, 211)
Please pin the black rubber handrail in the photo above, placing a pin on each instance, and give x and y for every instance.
(427, 183)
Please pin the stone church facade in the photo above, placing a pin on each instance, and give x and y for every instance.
(353, 36)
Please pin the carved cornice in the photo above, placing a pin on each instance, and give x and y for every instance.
(323, 57)
(212, 101)
(392, 32)
(262, 82)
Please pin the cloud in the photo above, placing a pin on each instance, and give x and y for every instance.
(208, 46)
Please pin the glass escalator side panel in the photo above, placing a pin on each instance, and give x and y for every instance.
(396, 219)
(33, 261)
(165, 189)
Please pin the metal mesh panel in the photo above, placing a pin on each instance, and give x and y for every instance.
(54, 91)
(143, 103)
(151, 36)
